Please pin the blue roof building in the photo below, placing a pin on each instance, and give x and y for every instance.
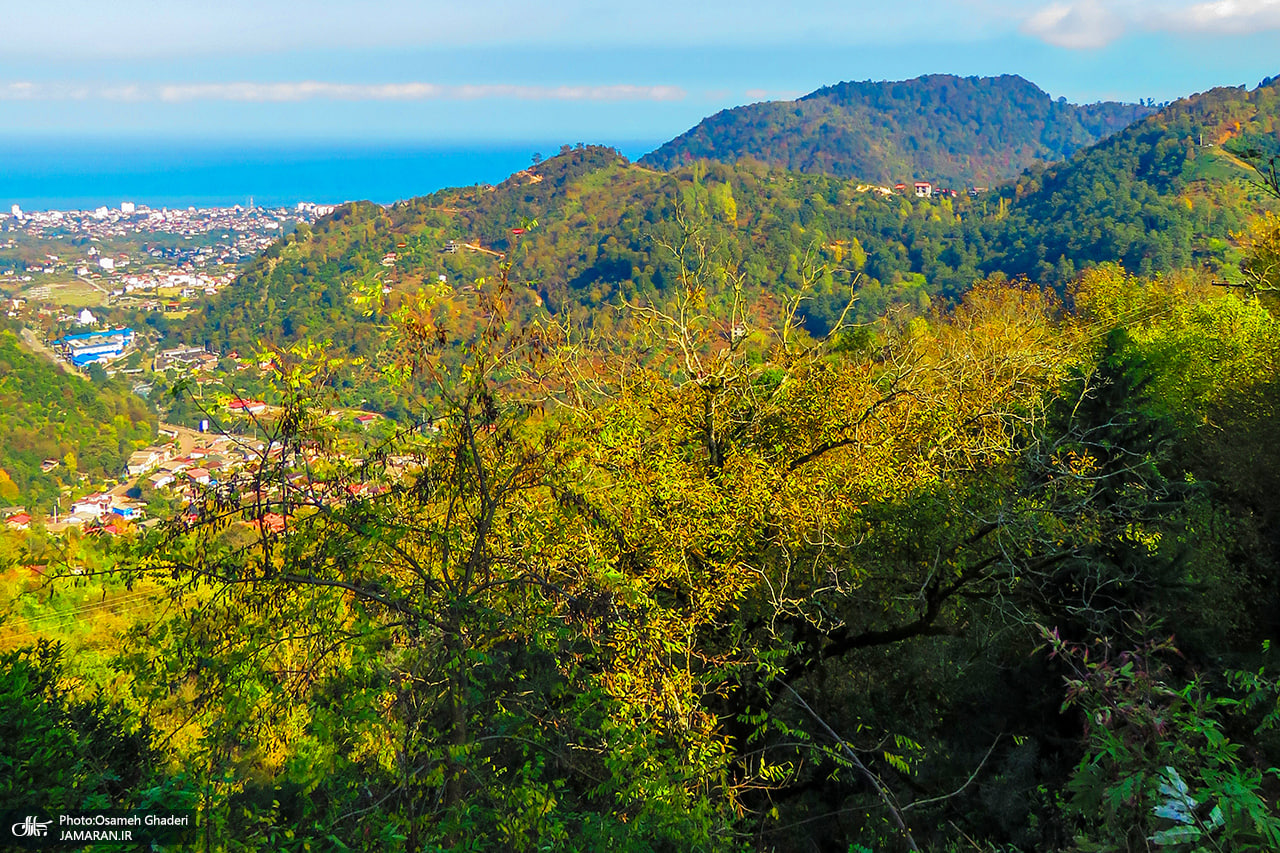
(93, 347)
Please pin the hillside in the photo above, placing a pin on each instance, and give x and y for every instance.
(1163, 195)
(45, 413)
(693, 581)
(958, 131)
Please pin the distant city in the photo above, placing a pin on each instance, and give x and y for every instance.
(130, 257)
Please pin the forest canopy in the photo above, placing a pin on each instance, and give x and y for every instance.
(954, 131)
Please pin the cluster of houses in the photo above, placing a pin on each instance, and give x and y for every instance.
(185, 358)
(215, 460)
(921, 189)
(164, 468)
(201, 466)
(926, 189)
(104, 512)
(97, 513)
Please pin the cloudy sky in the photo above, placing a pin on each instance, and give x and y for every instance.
(570, 70)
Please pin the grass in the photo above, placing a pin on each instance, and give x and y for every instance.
(69, 293)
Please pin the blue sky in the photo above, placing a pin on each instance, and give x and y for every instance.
(493, 70)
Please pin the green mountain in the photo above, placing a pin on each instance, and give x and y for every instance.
(1165, 193)
(1162, 195)
(957, 131)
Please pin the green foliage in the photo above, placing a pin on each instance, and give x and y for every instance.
(953, 130)
(46, 413)
(59, 751)
(1158, 196)
(1159, 768)
(673, 548)
(1146, 196)
(567, 603)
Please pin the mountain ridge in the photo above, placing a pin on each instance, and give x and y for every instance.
(1158, 197)
(938, 127)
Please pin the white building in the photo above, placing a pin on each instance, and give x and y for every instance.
(147, 459)
(106, 263)
(92, 506)
(128, 207)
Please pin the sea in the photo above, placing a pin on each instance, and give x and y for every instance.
(59, 174)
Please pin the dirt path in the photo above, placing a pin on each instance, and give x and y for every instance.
(33, 343)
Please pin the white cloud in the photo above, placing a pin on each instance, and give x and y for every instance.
(1088, 24)
(314, 90)
(569, 93)
(303, 91)
(1229, 16)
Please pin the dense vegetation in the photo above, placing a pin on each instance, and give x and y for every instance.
(956, 131)
(725, 509)
(750, 591)
(89, 428)
(1157, 196)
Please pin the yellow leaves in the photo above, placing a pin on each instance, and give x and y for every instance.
(1261, 245)
(1076, 464)
(1147, 538)
(8, 488)
(369, 295)
(918, 330)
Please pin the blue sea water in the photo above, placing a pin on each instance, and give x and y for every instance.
(84, 174)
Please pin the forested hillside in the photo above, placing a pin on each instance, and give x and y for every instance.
(750, 592)
(46, 413)
(1157, 196)
(1163, 195)
(957, 131)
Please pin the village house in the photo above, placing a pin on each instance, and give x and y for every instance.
(242, 407)
(129, 510)
(91, 507)
(192, 358)
(147, 459)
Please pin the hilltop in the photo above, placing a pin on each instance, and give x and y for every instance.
(625, 582)
(959, 131)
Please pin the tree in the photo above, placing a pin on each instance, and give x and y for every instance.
(438, 579)
(65, 752)
(8, 488)
(711, 582)
(1261, 264)
(1261, 243)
